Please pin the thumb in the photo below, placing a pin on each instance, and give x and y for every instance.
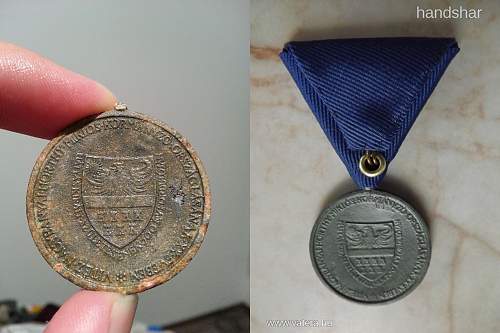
(95, 312)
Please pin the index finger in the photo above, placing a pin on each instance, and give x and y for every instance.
(40, 98)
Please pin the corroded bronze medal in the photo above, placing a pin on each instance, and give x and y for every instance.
(119, 202)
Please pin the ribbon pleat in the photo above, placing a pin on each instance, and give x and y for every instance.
(366, 93)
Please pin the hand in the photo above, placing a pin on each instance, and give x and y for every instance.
(39, 98)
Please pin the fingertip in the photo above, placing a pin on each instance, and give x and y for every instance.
(94, 312)
(122, 313)
(40, 98)
(107, 100)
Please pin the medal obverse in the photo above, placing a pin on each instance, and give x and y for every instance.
(370, 246)
(366, 93)
(118, 203)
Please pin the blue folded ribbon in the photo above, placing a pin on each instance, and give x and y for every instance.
(366, 93)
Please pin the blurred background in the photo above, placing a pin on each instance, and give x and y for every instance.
(184, 62)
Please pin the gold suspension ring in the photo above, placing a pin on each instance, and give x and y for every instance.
(372, 164)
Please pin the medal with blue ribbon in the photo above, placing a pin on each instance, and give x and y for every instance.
(369, 245)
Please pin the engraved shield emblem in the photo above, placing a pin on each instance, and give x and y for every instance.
(370, 249)
(119, 195)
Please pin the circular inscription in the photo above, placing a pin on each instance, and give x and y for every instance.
(118, 203)
(370, 246)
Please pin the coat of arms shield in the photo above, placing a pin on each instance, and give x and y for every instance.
(370, 249)
(119, 195)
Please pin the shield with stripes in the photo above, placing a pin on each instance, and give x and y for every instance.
(370, 249)
(119, 195)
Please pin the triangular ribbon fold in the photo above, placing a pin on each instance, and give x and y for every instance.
(366, 93)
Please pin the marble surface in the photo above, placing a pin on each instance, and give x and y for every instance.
(448, 167)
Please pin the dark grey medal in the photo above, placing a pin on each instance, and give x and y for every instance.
(370, 246)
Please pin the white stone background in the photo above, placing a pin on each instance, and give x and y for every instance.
(448, 167)
(184, 62)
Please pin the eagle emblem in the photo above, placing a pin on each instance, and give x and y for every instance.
(370, 250)
(119, 195)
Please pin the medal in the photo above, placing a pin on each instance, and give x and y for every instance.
(369, 245)
(119, 202)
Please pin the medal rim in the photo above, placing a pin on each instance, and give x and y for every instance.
(419, 218)
(146, 283)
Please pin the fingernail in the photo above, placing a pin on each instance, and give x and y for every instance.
(122, 313)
